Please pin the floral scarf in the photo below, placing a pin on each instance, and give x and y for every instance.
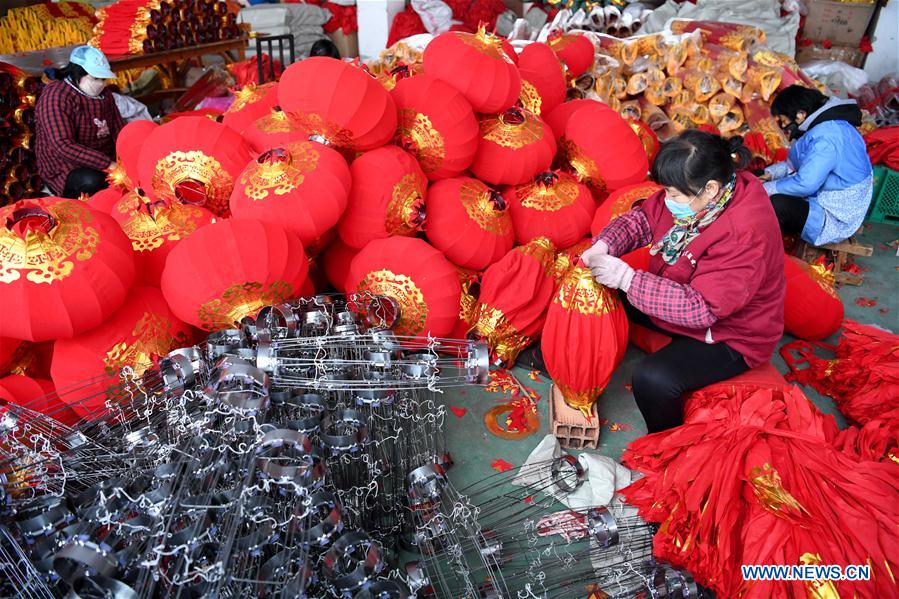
(677, 238)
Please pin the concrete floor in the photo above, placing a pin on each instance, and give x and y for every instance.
(475, 449)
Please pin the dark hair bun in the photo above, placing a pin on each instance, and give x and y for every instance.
(740, 154)
(694, 158)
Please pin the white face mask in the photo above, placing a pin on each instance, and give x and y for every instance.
(92, 86)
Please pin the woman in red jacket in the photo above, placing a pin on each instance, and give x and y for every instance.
(715, 282)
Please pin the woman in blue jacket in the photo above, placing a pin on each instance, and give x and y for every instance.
(824, 188)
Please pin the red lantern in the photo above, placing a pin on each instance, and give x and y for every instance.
(387, 198)
(812, 308)
(251, 102)
(557, 119)
(302, 187)
(468, 222)
(515, 146)
(154, 229)
(336, 263)
(542, 79)
(584, 338)
(476, 65)
(554, 205)
(127, 149)
(576, 51)
(272, 130)
(106, 199)
(416, 276)
(515, 293)
(193, 160)
(620, 201)
(64, 268)
(36, 394)
(338, 102)
(468, 301)
(139, 333)
(602, 148)
(647, 137)
(436, 125)
(231, 269)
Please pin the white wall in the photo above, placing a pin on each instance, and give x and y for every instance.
(885, 57)
(375, 18)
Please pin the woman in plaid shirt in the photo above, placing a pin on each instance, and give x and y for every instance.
(77, 125)
(715, 283)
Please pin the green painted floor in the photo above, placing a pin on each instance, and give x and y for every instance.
(474, 449)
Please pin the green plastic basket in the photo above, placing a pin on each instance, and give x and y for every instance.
(885, 205)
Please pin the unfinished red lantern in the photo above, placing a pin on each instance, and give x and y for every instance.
(251, 102)
(557, 119)
(302, 187)
(272, 130)
(387, 197)
(514, 147)
(554, 205)
(620, 201)
(543, 84)
(125, 175)
(417, 277)
(232, 269)
(468, 222)
(812, 308)
(64, 268)
(575, 51)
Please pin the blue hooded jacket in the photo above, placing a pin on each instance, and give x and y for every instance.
(830, 167)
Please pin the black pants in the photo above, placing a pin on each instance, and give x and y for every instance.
(792, 212)
(84, 180)
(661, 379)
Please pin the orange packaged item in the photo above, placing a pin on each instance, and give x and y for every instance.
(734, 63)
(730, 35)
(702, 84)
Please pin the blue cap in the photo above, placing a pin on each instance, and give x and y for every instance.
(93, 61)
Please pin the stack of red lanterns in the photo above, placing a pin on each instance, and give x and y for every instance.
(18, 164)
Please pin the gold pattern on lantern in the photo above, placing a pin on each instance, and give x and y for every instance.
(502, 338)
(486, 43)
(277, 173)
(581, 400)
(247, 95)
(478, 203)
(548, 197)
(413, 309)
(406, 205)
(418, 136)
(585, 167)
(118, 178)
(530, 98)
(825, 278)
(148, 226)
(275, 121)
(46, 257)
(496, 129)
(240, 300)
(543, 251)
(467, 301)
(625, 201)
(769, 490)
(151, 340)
(579, 292)
(180, 167)
(314, 124)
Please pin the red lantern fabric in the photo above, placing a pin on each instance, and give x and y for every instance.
(476, 65)
(620, 201)
(568, 258)
(251, 102)
(576, 51)
(812, 308)
(106, 199)
(36, 394)
(64, 268)
(9, 349)
(471, 289)
(515, 293)
(557, 119)
(193, 160)
(514, 147)
(554, 205)
(543, 84)
(231, 269)
(127, 148)
(468, 222)
(154, 229)
(436, 125)
(339, 102)
(756, 480)
(416, 276)
(387, 197)
(584, 338)
(336, 263)
(602, 148)
(647, 137)
(144, 329)
(302, 187)
(272, 130)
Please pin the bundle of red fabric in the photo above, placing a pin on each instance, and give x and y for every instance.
(405, 24)
(475, 12)
(883, 146)
(342, 17)
(758, 480)
(247, 71)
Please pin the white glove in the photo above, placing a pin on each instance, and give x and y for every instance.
(600, 248)
(612, 272)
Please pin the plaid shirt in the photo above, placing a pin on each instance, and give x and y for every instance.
(74, 130)
(656, 296)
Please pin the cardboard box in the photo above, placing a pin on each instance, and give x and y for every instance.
(850, 55)
(843, 23)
